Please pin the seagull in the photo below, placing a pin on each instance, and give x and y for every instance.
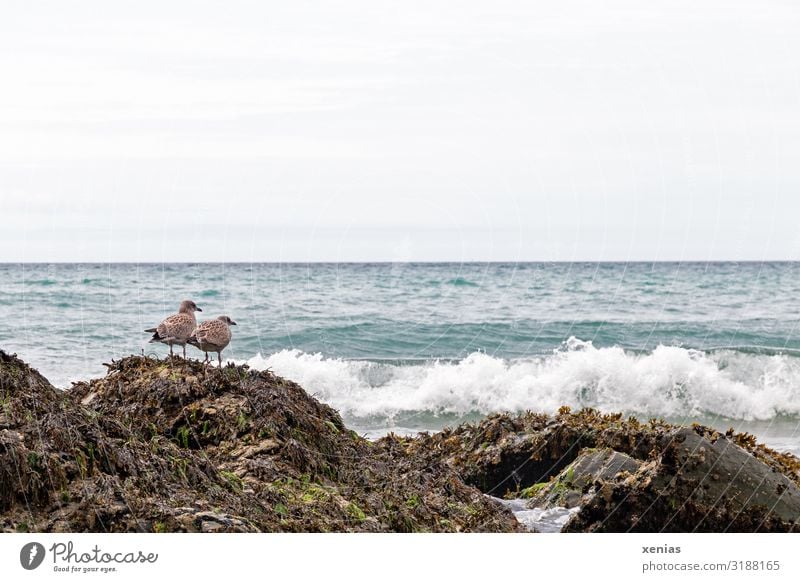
(213, 336)
(177, 328)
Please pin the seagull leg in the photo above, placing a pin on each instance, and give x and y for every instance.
(170, 351)
(184, 351)
(219, 357)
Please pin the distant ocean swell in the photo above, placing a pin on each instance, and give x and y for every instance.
(666, 382)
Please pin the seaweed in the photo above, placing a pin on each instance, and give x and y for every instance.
(171, 445)
(163, 445)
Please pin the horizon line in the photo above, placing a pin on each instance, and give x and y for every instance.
(415, 262)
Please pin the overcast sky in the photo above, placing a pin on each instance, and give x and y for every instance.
(373, 130)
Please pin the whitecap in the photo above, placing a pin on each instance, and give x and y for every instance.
(667, 382)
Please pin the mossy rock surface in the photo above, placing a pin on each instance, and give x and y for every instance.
(171, 445)
(569, 488)
(626, 475)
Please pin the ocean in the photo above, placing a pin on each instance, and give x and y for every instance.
(407, 347)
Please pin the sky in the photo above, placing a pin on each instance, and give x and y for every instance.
(370, 130)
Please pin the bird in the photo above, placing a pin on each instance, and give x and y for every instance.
(176, 328)
(213, 335)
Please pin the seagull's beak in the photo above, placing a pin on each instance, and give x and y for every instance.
(233, 323)
(197, 308)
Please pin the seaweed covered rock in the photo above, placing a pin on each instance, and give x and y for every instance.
(30, 469)
(171, 445)
(626, 475)
(570, 487)
(503, 454)
(64, 467)
(695, 483)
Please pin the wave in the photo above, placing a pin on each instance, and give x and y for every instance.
(668, 381)
(461, 282)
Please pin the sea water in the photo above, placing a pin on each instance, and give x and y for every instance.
(406, 347)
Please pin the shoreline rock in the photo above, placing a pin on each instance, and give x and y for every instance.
(169, 445)
(626, 475)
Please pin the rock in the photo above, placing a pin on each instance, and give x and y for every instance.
(570, 487)
(170, 445)
(677, 492)
(625, 475)
(218, 522)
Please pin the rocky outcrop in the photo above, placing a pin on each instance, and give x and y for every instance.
(570, 487)
(626, 475)
(695, 482)
(168, 445)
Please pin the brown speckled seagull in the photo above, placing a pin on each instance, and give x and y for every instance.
(213, 336)
(176, 329)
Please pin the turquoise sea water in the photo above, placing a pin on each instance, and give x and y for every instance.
(415, 346)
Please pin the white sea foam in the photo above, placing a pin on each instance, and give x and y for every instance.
(546, 520)
(669, 381)
(550, 520)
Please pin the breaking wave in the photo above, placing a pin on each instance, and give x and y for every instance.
(667, 382)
